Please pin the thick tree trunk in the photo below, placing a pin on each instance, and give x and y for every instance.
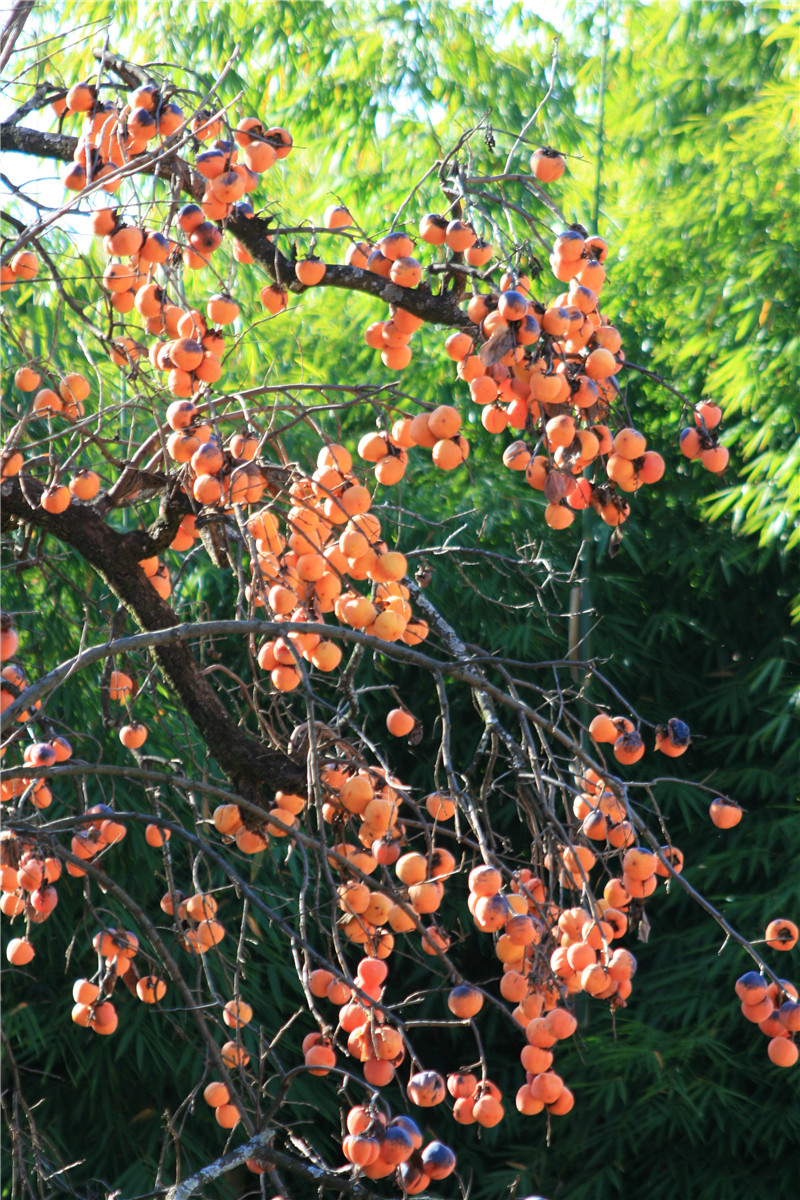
(254, 770)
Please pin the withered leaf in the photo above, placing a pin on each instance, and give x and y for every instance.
(498, 346)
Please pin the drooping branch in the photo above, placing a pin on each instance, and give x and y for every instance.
(463, 668)
(254, 234)
(435, 309)
(150, 930)
(260, 1148)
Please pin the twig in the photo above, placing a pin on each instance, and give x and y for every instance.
(13, 28)
(521, 135)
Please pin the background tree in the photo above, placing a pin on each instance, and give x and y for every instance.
(675, 604)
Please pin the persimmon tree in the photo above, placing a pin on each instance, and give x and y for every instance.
(277, 799)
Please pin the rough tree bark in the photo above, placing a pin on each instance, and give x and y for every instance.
(255, 771)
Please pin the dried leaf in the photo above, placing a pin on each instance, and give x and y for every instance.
(424, 574)
(498, 346)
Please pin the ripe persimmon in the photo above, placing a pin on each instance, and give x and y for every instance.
(55, 499)
(603, 729)
(458, 346)
(512, 305)
(639, 863)
(27, 379)
(465, 1001)
(357, 254)
(222, 310)
(629, 747)
(280, 139)
(547, 165)
(438, 1160)
(85, 485)
(449, 453)
(84, 991)
(690, 443)
(439, 806)
(216, 1094)
(104, 1019)
(651, 467)
(432, 229)
(11, 463)
(151, 989)
(405, 271)
(783, 1052)
(715, 459)
(479, 253)
(459, 235)
(707, 414)
(487, 1111)
(781, 934)
(133, 736)
(426, 1089)
(336, 216)
(155, 836)
(400, 722)
(600, 364)
(237, 1013)
(234, 1055)
(320, 1058)
(19, 951)
(25, 264)
(725, 813)
(463, 1110)
(310, 271)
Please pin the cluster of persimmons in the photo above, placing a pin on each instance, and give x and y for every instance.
(546, 371)
(548, 951)
(774, 1007)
